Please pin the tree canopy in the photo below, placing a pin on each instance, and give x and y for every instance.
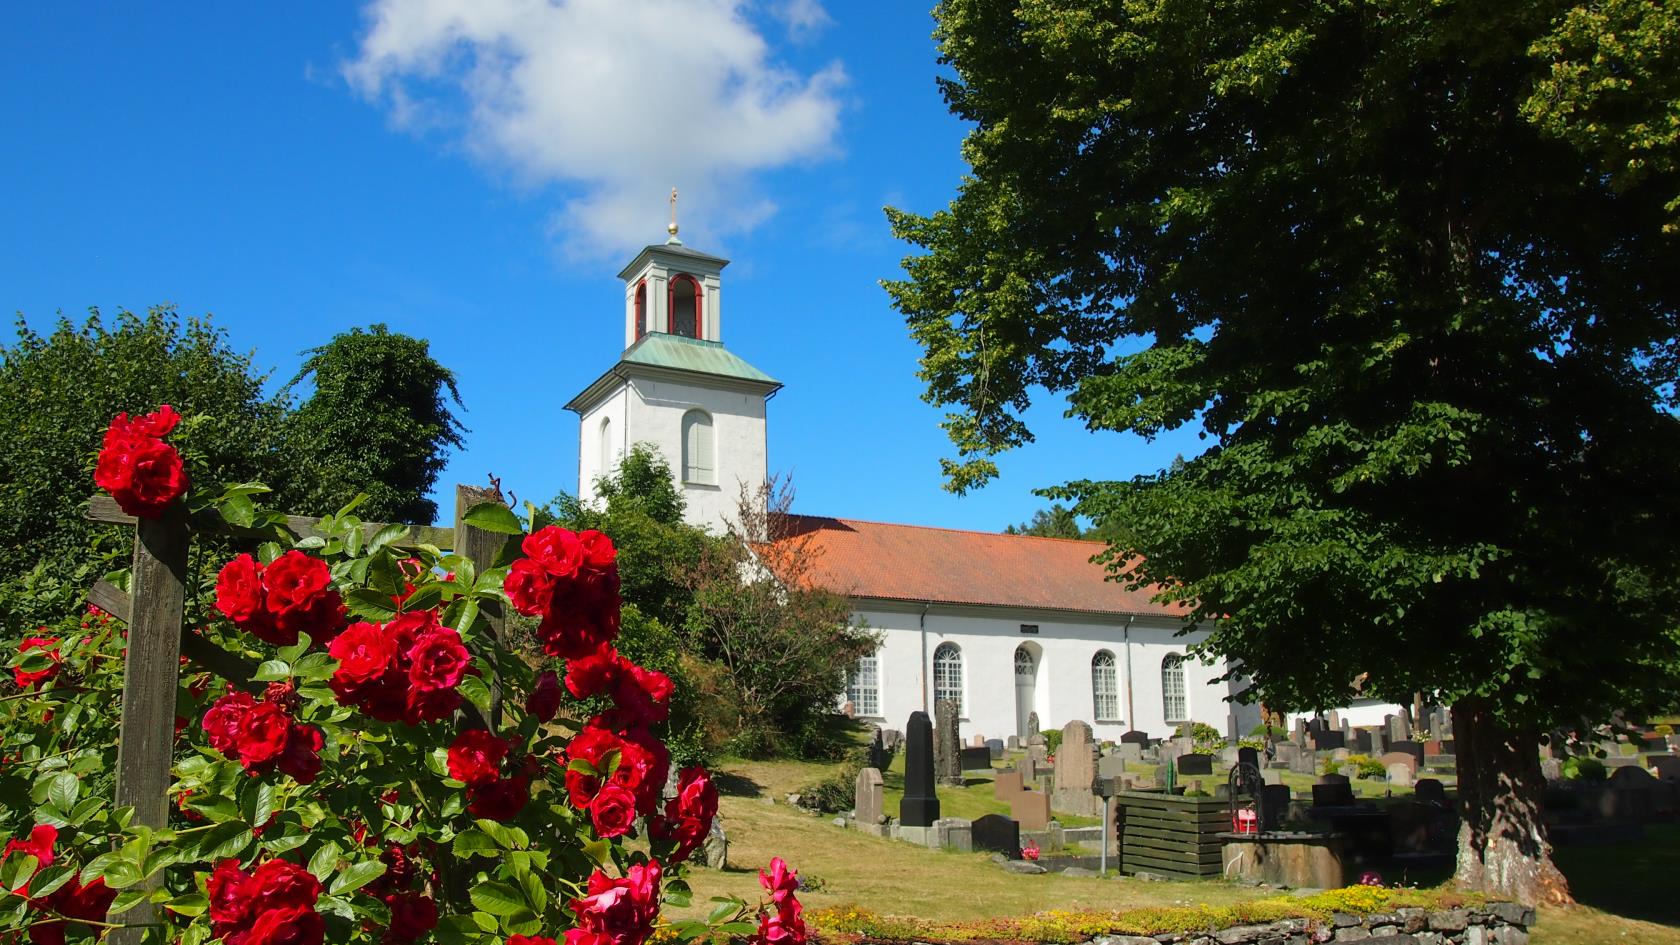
(1058, 521)
(1425, 319)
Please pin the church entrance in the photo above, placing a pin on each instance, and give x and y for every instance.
(1026, 688)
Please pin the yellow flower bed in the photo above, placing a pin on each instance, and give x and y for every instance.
(852, 923)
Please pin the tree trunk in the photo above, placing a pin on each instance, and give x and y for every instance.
(1502, 847)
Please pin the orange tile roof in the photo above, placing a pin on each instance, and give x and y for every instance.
(941, 565)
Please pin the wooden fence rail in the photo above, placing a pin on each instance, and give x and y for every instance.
(1169, 834)
(153, 609)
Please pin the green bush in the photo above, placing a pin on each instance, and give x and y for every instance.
(836, 793)
(1052, 739)
(1584, 769)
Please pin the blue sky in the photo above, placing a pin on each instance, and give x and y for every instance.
(476, 173)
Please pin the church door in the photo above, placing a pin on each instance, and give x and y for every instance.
(1026, 688)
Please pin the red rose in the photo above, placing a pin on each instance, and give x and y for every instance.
(286, 927)
(530, 940)
(29, 679)
(239, 590)
(783, 925)
(475, 757)
(230, 905)
(544, 700)
(73, 901)
(280, 884)
(302, 757)
(688, 816)
(221, 721)
(642, 696)
(143, 473)
(429, 705)
(528, 586)
(365, 652)
(300, 599)
(570, 632)
(598, 550)
(412, 915)
(438, 660)
(262, 734)
(620, 911)
(500, 800)
(592, 743)
(555, 549)
(642, 766)
(592, 673)
(781, 882)
(613, 811)
(39, 845)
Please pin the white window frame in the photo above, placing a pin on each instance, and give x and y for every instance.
(1174, 693)
(863, 686)
(1105, 687)
(699, 436)
(948, 675)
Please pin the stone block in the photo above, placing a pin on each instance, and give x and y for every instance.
(953, 833)
(1031, 809)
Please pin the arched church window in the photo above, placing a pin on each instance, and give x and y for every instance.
(698, 462)
(609, 454)
(641, 309)
(685, 306)
(1105, 688)
(948, 674)
(1172, 689)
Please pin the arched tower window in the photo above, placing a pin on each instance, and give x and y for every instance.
(641, 309)
(699, 465)
(1172, 689)
(608, 452)
(1105, 688)
(948, 674)
(685, 306)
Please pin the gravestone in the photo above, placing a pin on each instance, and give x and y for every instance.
(1430, 791)
(1334, 779)
(1400, 774)
(1076, 771)
(1134, 737)
(920, 806)
(1335, 720)
(976, 759)
(1006, 785)
(1111, 766)
(1665, 767)
(716, 850)
(1401, 758)
(891, 738)
(1399, 729)
(1414, 749)
(1362, 741)
(1032, 726)
(1328, 740)
(1275, 805)
(868, 798)
(977, 741)
(995, 746)
(1129, 751)
(1338, 794)
(1631, 776)
(1194, 765)
(1304, 762)
(996, 833)
(947, 744)
(1248, 756)
(1012, 743)
(1027, 768)
(1031, 809)
(878, 756)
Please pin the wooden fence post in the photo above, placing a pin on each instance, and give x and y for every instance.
(481, 546)
(150, 675)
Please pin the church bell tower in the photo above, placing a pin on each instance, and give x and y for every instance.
(677, 388)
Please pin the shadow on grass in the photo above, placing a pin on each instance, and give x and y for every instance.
(730, 784)
(1632, 880)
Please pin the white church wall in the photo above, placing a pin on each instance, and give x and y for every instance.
(1361, 713)
(1062, 691)
(595, 456)
(738, 429)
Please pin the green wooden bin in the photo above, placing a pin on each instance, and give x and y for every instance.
(1170, 835)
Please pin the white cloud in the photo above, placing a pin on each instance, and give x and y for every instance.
(802, 17)
(615, 100)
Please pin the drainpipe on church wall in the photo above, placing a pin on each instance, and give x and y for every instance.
(924, 656)
(1131, 709)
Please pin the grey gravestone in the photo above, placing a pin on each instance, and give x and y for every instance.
(1032, 725)
(1134, 737)
(1027, 767)
(1411, 748)
(868, 797)
(1006, 785)
(1076, 772)
(1012, 742)
(1333, 795)
(891, 738)
(947, 744)
(716, 850)
(1335, 719)
(995, 746)
(1400, 774)
(1129, 751)
(1399, 730)
(1431, 790)
(997, 834)
(976, 759)
(1031, 809)
(920, 806)
(1362, 741)
(1112, 765)
(1195, 764)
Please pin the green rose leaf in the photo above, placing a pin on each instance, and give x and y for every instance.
(493, 517)
(498, 899)
(357, 876)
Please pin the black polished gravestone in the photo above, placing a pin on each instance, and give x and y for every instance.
(1134, 737)
(879, 757)
(976, 759)
(920, 806)
(998, 834)
(1248, 756)
(1195, 764)
(1333, 794)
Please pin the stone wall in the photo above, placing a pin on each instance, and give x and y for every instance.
(1496, 924)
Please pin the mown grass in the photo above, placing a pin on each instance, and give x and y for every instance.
(1624, 891)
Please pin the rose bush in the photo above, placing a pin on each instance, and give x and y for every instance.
(386, 771)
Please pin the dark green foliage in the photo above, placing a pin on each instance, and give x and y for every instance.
(58, 393)
(836, 793)
(378, 422)
(1058, 521)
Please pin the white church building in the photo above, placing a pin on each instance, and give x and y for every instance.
(1006, 625)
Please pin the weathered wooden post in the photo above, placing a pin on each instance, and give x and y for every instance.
(150, 676)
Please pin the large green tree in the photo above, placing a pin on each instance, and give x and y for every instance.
(1426, 328)
(378, 421)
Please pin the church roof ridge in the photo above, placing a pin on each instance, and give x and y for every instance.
(947, 528)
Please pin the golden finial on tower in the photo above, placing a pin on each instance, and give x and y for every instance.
(672, 228)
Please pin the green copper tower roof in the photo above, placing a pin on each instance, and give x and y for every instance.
(658, 349)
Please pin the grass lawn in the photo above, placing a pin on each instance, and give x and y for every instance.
(1625, 892)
